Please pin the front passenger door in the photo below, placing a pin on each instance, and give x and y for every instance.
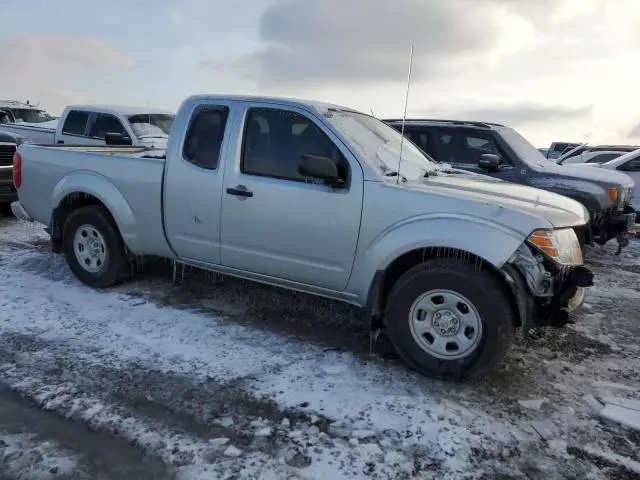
(103, 124)
(278, 223)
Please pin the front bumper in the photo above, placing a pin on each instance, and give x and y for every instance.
(8, 192)
(569, 297)
(546, 292)
(612, 224)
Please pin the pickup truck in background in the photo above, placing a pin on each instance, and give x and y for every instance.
(557, 149)
(26, 120)
(8, 145)
(501, 152)
(312, 197)
(100, 125)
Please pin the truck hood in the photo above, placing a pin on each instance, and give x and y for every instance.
(560, 211)
(597, 175)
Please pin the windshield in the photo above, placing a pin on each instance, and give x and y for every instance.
(151, 125)
(523, 149)
(28, 115)
(379, 144)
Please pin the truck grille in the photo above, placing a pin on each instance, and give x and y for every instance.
(6, 153)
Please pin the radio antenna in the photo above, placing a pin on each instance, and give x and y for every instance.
(404, 116)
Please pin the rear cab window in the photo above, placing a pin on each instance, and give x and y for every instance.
(203, 142)
(75, 123)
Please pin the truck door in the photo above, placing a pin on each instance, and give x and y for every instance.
(276, 222)
(103, 123)
(193, 186)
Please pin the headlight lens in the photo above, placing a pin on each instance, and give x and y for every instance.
(561, 245)
(613, 194)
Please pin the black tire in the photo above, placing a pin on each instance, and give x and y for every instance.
(115, 268)
(5, 210)
(487, 295)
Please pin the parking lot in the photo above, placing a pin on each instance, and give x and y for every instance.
(211, 378)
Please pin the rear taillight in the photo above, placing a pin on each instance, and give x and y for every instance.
(17, 170)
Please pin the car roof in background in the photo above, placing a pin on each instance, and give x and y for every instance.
(20, 105)
(119, 109)
(444, 123)
(623, 158)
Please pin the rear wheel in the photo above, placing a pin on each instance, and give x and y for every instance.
(93, 247)
(450, 320)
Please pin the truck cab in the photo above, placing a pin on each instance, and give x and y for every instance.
(12, 111)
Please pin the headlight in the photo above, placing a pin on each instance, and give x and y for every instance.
(561, 245)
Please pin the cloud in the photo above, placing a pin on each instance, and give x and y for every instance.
(46, 67)
(320, 41)
(635, 132)
(524, 113)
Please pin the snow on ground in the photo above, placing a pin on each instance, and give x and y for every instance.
(221, 391)
(24, 457)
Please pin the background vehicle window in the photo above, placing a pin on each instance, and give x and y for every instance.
(420, 138)
(204, 138)
(477, 143)
(603, 157)
(75, 122)
(106, 124)
(469, 147)
(560, 147)
(275, 141)
(632, 165)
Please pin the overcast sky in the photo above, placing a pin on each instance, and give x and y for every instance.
(566, 70)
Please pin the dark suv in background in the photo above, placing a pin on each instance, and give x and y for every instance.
(501, 152)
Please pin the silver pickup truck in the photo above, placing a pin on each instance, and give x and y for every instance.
(313, 197)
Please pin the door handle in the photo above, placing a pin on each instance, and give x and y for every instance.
(60, 141)
(239, 191)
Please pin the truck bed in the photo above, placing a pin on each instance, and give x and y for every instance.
(134, 183)
(43, 135)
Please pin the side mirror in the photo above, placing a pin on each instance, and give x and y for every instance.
(489, 161)
(117, 139)
(320, 168)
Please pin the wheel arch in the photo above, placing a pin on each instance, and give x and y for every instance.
(385, 279)
(467, 239)
(87, 188)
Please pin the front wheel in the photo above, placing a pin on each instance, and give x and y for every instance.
(93, 247)
(449, 320)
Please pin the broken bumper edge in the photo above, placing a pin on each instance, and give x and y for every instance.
(568, 300)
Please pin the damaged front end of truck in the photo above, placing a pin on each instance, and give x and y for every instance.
(548, 278)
